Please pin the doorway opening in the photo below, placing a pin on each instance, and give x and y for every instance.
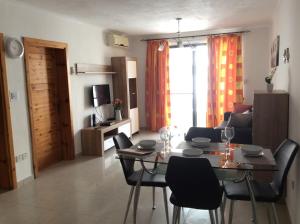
(7, 159)
(49, 102)
(188, 86)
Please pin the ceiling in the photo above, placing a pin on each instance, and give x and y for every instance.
(141, 17)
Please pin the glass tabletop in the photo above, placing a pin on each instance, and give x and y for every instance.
(219, 158)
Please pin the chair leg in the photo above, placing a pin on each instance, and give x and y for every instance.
(217, 216)
(128, 204)
(166, 204)
(211, 215)
(179, 215)
(175, 211)
(153, 198)
(137, 197)
(231, 211)
(222, 209)
(275, 213)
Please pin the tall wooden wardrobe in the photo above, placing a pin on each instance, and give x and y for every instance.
(125, 88)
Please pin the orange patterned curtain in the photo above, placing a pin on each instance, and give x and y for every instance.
(157, 84)
(225, 82)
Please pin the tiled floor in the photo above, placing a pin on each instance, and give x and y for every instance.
(93, 190)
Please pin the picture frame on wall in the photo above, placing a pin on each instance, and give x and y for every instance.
(275, 52)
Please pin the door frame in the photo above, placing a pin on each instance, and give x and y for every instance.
(69, 151)
(7, 119)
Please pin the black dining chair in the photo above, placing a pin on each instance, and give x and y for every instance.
(265, 192)
(121, 141)
(194, 184)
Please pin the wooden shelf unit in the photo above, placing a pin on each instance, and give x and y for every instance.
(125, 88)
(82, 68)
(93, 138)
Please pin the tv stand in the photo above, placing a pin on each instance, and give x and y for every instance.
(107, 123)
(95, 140)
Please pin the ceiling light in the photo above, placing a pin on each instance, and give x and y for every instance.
(180, 43)
(179, 40)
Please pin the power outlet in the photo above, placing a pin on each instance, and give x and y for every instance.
(21, 157)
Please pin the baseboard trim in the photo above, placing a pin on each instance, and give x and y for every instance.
(24, 181)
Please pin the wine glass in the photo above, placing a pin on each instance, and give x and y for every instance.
(223, 137)
(229, 133)
(164, 136)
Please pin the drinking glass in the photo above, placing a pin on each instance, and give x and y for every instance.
(229, 133)
(223, 137)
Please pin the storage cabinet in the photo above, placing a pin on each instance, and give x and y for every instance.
(125, 88)
(270, 118)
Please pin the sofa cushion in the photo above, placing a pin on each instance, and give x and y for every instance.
(240, 108)
(240, 120)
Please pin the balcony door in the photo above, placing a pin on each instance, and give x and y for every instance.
(188, 86)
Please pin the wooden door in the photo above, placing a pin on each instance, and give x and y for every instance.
(7, 160)
(44, 105)
(49, 103)
(4, 180)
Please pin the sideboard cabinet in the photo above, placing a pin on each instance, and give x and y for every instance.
(270, 118)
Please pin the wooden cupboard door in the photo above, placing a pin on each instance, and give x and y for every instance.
(44, 106)
(134, 117)
(131, 69)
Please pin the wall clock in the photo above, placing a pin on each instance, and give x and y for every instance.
(14, 48)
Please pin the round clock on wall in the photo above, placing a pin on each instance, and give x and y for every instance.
(14, 48)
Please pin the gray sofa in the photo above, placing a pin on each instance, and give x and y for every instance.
(243, 135)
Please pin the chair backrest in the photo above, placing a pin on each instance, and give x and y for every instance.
(122, 142)
(194, 183)
(284, 156)
(194, 132)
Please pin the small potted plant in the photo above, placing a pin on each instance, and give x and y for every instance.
(268, 80)
(117, 107)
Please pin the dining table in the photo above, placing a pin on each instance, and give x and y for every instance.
(229, 163)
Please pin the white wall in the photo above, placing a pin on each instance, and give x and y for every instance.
(256, 53)
(86, 45)
(256, 47)
(286, 24)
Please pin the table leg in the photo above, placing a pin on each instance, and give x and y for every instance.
(137, 195)
(252, 197)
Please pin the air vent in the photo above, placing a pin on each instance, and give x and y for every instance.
(117, 40)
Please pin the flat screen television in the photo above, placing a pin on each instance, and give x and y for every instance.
(100, 95)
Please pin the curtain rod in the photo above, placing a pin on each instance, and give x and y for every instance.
(200, 35)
